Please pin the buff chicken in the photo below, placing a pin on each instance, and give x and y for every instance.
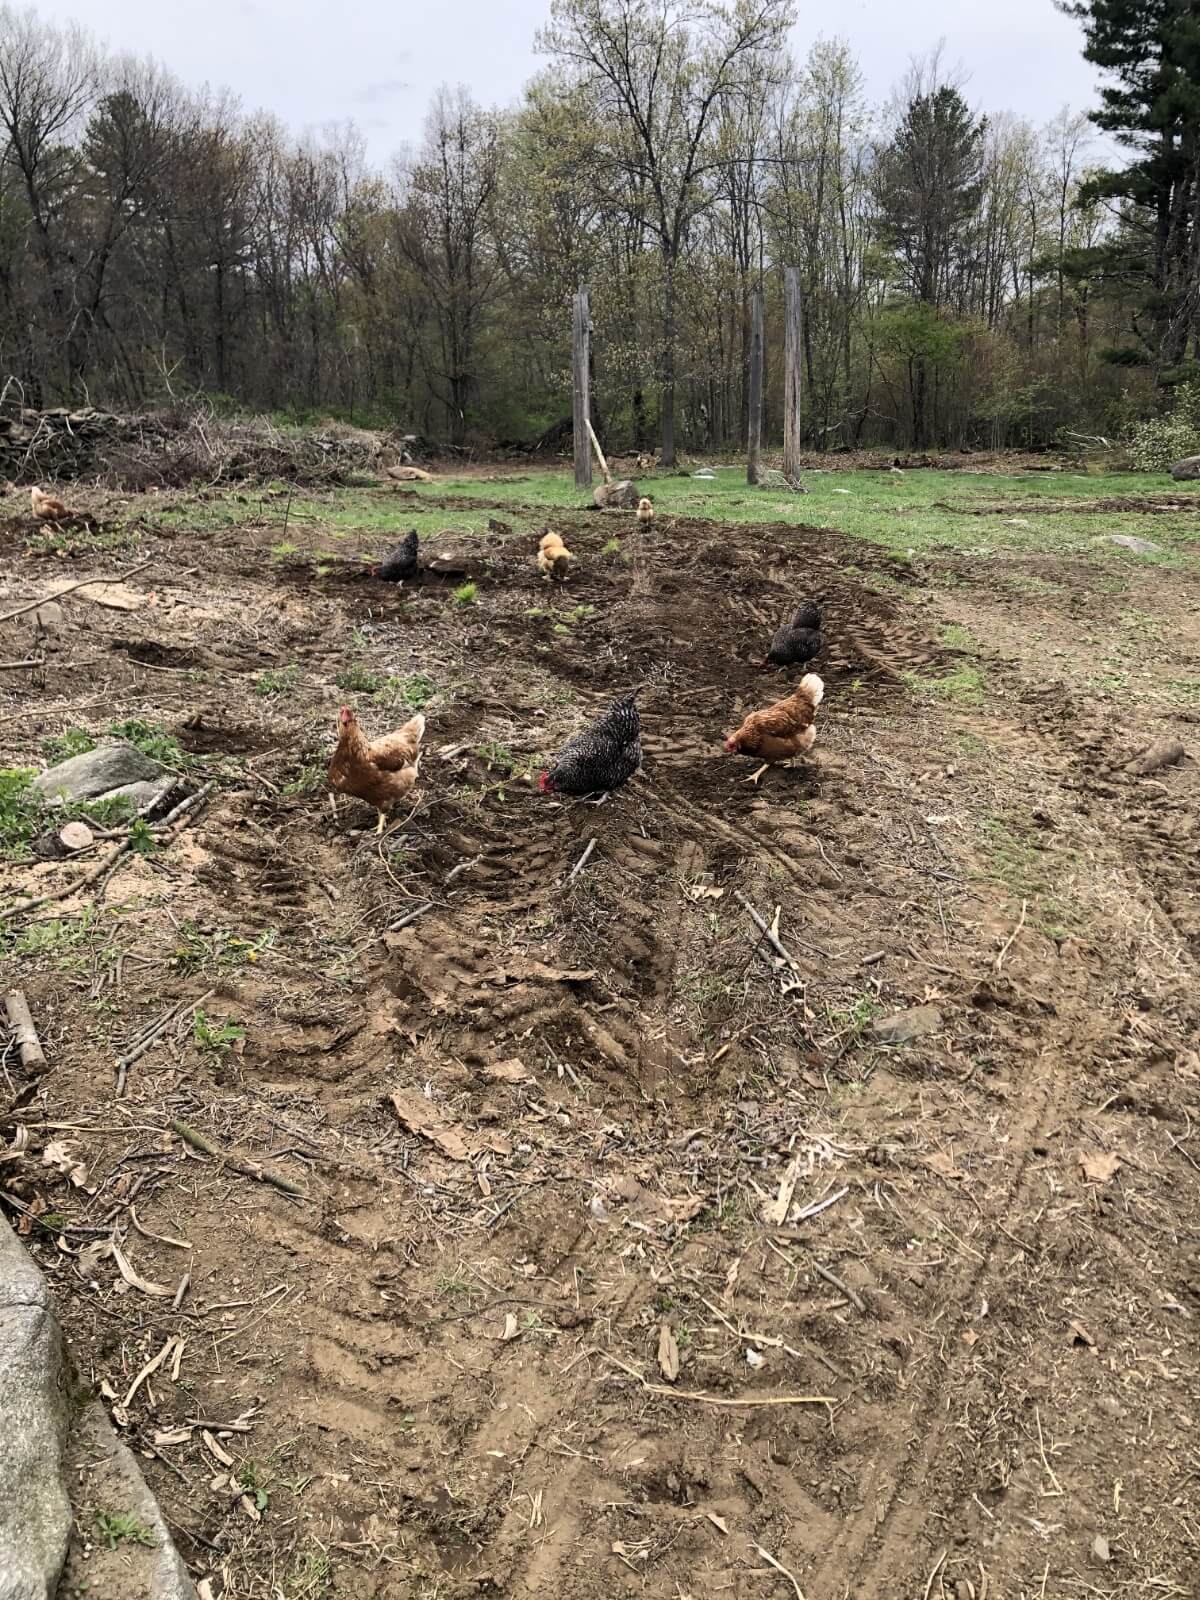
(786, 729)
(554, 559)
(645, 512)
(381, 771)
(46, 508)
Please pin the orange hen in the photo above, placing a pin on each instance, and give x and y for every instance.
(381, 771)
(46, 507)
(786, 729)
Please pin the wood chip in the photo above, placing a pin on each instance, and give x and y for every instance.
(421, 1116)
(718, 1523)
(215, 1450)
(512, 1328)
(668, 1353)
(511, 1071)
(135, 1279)
(776, 1211)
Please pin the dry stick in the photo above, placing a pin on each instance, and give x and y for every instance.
(596, 447)
(33, 661)
(937, 1567)
(771, 938)
(824, 1272)
(719, 1400)
(152, 1034)
(463, 866)
(33, 1056)
(110, 860)
(581, 863)
(148, 1370)
(84, 583)
(248, 1169)
(185, 806)
(1008, 943)
(779, 1567)
(411, 916)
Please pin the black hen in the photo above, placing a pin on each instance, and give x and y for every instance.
(602, 757)
(399, 563)
(794, 644)
(808, 616)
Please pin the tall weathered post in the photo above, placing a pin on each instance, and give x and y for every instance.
(581, 338)
(793, 369)
(754, 430)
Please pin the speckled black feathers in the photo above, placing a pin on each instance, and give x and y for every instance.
(401, 562)
(602, 757)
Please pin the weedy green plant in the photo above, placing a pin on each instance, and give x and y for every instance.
(277, 681)
(219, 948)
(153, 740)
(359, 680)
(415, 691)
(215, 1033)
(255, 1482)
(70, 742)
(58, 936)
(465, 594)
(309, 1576)
(141, 839)
(117, 1527)
(20, 814)
(966, 684)
(309, 778)
(613, 547)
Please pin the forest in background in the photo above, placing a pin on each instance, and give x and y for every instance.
(966, 280)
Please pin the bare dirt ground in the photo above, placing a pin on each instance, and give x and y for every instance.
(959, 1362)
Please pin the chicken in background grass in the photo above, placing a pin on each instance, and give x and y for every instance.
(602, 757)
(645, 512)
(784, 730)
(399, 563)
(380, 772)
(554, 559)
(799, 640)
(47, 508)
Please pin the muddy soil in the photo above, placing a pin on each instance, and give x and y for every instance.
(625, 1258)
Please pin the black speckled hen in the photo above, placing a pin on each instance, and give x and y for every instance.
(602, 757)
(399, 563)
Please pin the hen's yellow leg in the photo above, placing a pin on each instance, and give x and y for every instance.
(382, 824)
(755, 776)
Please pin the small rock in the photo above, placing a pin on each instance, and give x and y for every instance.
(1129, 541)
(96, 772)
(906, 1025)
(626, 1188)
(1187, 470)
(623, 496)
(1100, 1548)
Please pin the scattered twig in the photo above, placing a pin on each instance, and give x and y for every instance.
(12, 666)
(148, 1370)
(184, 806)
(409, 916)
(1056, 1492)
(831, 1278)
(84, 583)
(463, 866)
(822, 1205)
(1008, 943)
(581, 863)
(242, 1164)
(184, 1284)
(110, 860)
(721, 1400)
(771, 937)
(33, 1057)
(156, 1029)
(937, 1567)
(779, 1567)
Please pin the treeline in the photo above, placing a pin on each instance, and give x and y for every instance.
(966, 280)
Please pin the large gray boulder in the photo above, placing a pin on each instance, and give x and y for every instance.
(109, 766)
(622, 496)
(35, 1509)
(61, 1463)
(1187, 470)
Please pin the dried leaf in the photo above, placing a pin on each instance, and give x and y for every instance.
(421, 1117)
(215, 1450)
(135, 1279)
(512, 1328)
(1080, 1335)
(668, 1353)
(250, 1508)
(513, 1070)
(943, 1165)
(1100, 1548)
(1100, 1167)
(970, 1337)
(481, 1178)
(20, 1143)
(58, 1155)
(703, 891)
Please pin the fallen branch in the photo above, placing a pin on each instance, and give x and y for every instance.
(242, 1164)
(33, 1057)
(831, 1278)
(110, 860)
(463, 866)
(156, 1029)
(721, 1400)
(33, 661)
(409, 916)
(84, 583)
(184, 806)
(581, 863)
(768, 933)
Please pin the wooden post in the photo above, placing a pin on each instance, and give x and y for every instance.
(793, 369)
(754, 438)
(581, 335)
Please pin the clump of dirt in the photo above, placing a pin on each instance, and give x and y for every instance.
(556, 1232)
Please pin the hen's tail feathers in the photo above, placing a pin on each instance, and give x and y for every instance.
(812, 688)
(417, 724)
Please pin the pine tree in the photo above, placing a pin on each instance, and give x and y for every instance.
(1151, 51)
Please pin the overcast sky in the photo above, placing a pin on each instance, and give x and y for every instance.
(318, 61)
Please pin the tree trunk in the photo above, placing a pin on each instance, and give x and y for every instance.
(793, 371)
(581, 335)
(666, 405)
(754, 415)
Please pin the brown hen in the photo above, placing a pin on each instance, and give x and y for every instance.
(784, 730)
(380, 772)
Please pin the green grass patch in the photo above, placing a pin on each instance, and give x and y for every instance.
(122, 1527)
(465, 594)
(964, 686)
